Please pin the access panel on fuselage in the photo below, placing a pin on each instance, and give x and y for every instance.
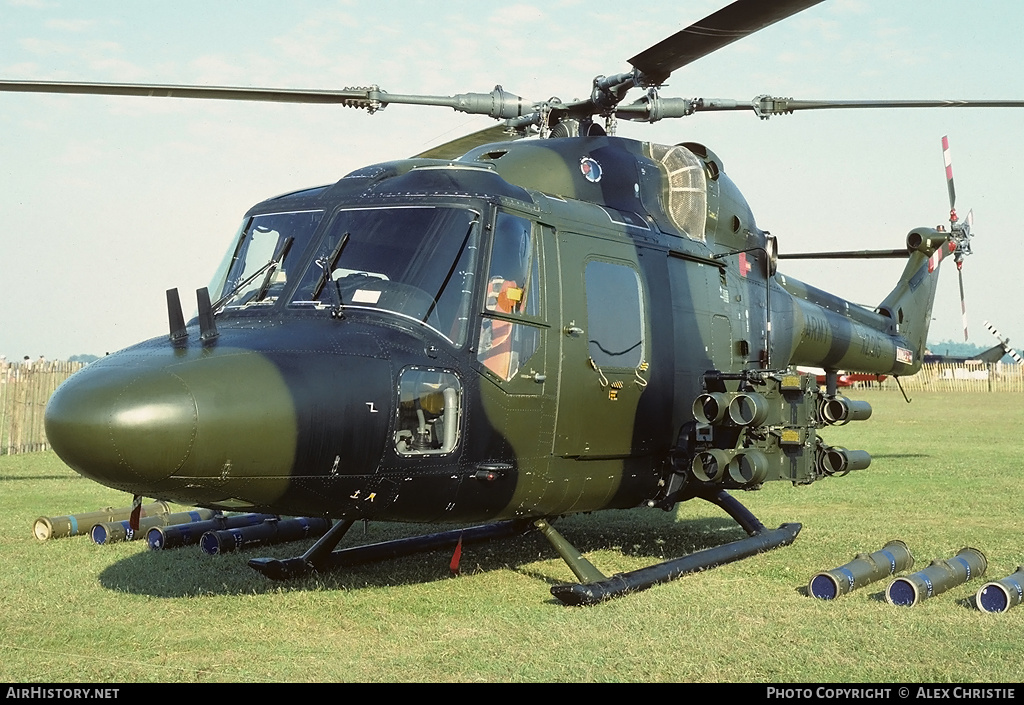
(702, 333)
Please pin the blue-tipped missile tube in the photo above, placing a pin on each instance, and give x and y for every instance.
(272, 531)
(166, 537)
(115, 531)
(938, 577)
(1001, 595)
(863, 570)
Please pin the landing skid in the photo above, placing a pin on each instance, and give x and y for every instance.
(595, 587)
(322, 558)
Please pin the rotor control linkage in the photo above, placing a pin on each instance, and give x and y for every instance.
(759, 540)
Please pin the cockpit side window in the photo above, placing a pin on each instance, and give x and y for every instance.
(265, 253)
(513, 291)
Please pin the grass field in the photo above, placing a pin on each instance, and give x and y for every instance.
(946, 473)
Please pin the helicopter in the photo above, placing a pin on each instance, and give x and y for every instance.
(502, 331)
(990, 356)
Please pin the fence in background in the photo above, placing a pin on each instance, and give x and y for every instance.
(995, 377)
(24, 391)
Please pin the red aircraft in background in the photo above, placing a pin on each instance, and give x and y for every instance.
(843, 379)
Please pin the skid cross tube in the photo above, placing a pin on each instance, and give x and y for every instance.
(760, 540)
(325, 561)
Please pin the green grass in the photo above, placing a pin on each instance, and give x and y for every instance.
(946, 474)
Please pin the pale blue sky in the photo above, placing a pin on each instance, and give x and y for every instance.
(107, 202)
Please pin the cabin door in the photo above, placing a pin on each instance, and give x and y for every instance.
(604, 335)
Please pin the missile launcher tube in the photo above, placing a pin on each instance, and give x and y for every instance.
(748, 467)
(938, 577)
(748, 409)
(1001, 595)
(114, 531)
(60, 527)
(839, 461)
(712, 407)
(710, 465)
(165, 537)
(265, 534)
(841, 410)
(863, 570)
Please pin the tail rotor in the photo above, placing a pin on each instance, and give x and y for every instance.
(961, 230)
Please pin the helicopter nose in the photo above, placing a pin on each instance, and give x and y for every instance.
(121, 426)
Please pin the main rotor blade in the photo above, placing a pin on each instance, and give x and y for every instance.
(347, 96)
(652, 107)
(497, 103)
(766, 106)
(715, 31)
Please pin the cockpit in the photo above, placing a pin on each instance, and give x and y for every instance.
(414, 262)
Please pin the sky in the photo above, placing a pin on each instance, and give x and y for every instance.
(107, 202)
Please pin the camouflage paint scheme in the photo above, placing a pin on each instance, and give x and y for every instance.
(294, 411)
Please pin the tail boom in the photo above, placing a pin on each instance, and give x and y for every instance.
(814, 328)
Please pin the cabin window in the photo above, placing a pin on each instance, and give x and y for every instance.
(429, 412)
(513, 292)
(615, 314)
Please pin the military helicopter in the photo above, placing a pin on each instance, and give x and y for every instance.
(994, 354)
(502, 331)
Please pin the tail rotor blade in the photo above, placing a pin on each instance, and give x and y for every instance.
(963, 301)
(947, 158)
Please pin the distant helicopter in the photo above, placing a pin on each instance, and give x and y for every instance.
(994, 354)
(500, 332)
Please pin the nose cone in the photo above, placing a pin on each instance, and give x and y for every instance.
(122, 425)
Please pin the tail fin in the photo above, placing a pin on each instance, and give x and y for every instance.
(909, 304)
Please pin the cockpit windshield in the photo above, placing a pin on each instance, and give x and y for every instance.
(261, 259)
(416, 262)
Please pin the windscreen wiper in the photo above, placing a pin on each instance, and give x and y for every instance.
(282, 250)
(327, 267)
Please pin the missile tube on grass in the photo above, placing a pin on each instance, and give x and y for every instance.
(114, 531)
(938, 577)
(863, 570)
(60, 527)
(1001, 595)
(165, 537)
(265, 534)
